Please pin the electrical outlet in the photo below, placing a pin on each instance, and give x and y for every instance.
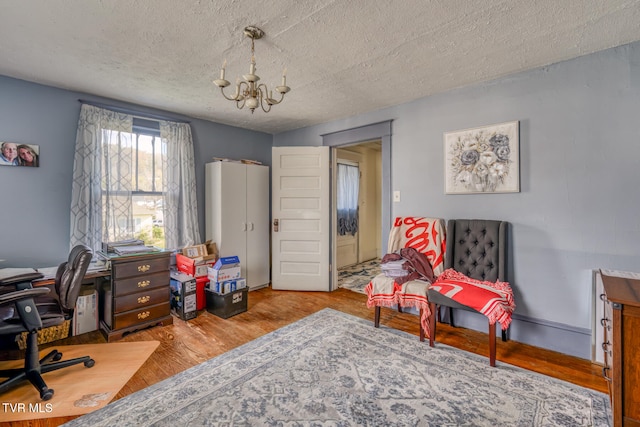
(396, 196)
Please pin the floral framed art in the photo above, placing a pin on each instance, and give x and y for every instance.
(483, 160)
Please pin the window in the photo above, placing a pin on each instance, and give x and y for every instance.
(348, 185)
(132, 177)
(133, 201)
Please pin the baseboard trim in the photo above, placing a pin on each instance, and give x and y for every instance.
(541, 333)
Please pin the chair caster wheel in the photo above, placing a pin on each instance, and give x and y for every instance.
(46, 394)
(57, 357)
(89, 363)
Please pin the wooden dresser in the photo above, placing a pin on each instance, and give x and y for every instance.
(622, 348)
(137, 295)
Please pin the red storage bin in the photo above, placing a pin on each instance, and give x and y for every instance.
(201, 298)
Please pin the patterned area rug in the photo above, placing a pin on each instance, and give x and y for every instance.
(333, 369)
(357, 276)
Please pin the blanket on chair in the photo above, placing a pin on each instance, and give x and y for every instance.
(493, 299)
(427, 236)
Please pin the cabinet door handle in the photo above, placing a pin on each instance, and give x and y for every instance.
(250, 226)
(244, 226)
(605, 370)
(275, 225)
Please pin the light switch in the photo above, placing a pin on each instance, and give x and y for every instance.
(396, 196)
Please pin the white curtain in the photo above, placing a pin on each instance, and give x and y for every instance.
(94, 215)
(103, 161)
(179, 186)
(348, 184)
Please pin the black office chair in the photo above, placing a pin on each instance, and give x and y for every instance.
(477, 249)
(27, 309)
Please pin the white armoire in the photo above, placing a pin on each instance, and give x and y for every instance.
(237, 216)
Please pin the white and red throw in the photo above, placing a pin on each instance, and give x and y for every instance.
(493, 299)
(427, 236)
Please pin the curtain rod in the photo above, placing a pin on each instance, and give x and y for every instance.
(135, 113)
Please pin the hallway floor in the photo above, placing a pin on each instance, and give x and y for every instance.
(357, 276)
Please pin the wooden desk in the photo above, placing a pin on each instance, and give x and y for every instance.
(134, 294)
(621, 343)
(90, 275)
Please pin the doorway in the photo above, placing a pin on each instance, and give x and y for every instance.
(358, 250)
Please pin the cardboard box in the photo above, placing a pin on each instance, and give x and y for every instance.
(227, 286)
(212, 249)
(85, 315)
(201, 298)
(196, 267)
(227, 305)
(226, 268)
(183, 295)
(196, 251)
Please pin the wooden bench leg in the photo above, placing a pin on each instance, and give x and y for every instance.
(376, 318)
(432, 323)
(421, 328)
(492, 344)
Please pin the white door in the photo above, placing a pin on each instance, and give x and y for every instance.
(300, 208)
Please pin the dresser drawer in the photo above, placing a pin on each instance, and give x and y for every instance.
(140, 266)
(140, 283)
(141, 299)
(134, 317)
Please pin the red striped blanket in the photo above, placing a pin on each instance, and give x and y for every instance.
(426, 235)
(493, 299)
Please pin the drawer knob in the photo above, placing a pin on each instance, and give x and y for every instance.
(144, 268)
(143, 300)
(144, 283)
(143, 315)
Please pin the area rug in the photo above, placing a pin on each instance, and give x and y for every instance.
(333, 369)
(356, 277)
(78, 390)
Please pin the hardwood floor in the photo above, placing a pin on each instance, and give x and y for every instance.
(186, 344)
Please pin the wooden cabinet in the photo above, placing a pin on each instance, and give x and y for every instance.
(237, 216)
(621, 345)
(137, 295)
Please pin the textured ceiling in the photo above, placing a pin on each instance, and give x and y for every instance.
(343, 57)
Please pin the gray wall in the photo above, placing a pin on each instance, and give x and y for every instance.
(580, 172)
(34, 207)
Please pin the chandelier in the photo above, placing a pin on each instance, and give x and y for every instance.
(248, 92)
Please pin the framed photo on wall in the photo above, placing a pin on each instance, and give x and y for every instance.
(483, 160)
(16, 154)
